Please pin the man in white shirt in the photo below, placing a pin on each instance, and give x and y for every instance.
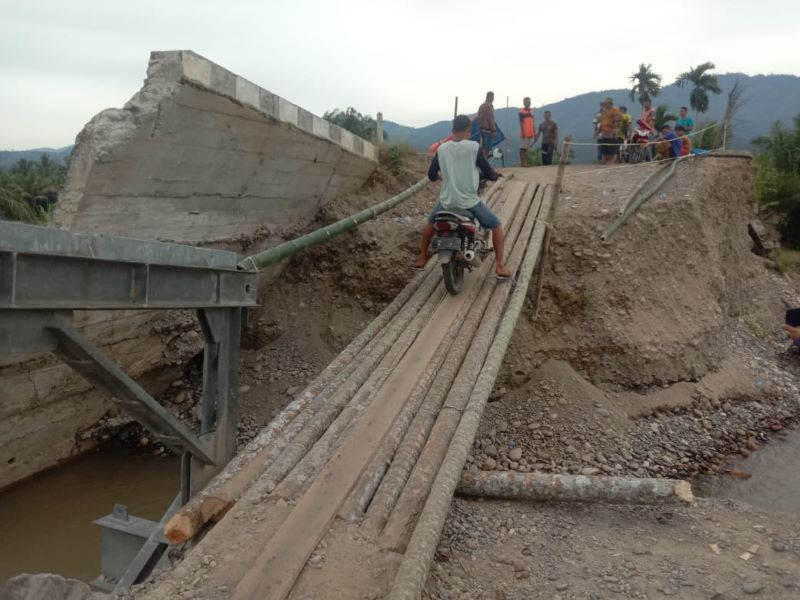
(459, 162)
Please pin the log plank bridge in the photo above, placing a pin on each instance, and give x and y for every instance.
(344, 494)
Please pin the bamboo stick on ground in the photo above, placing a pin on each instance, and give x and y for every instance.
(543, 487)
(412, 573)
(425, 400)
(400, 522)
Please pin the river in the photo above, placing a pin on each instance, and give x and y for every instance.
(46, 522)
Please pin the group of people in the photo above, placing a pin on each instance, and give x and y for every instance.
(615, 133)
(528, 134)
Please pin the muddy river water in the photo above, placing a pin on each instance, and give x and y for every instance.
(46, 522)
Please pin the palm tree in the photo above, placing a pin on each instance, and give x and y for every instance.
(703, 82)
(646, 83)
(662, 116)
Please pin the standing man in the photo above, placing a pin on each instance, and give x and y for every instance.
(527, 131)
(459, 161)
(607, 138)
(486, 124)
(684, 120)
(548, 131)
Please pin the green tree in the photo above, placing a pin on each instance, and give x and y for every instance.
(703, 82)
(353, 121)
(663, 116)
(646, 83)
(29, 189)
(778, 181)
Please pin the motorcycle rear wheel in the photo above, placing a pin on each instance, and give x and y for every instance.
(453, 274)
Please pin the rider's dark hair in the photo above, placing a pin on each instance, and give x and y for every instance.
(461, 123)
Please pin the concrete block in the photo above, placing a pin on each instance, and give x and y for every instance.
(320, 127)
(268, 102)
(197, 69)
(248, 93)
(358, 145)
(287, 111)
(223, 81)
(348, 140)
(305, 119)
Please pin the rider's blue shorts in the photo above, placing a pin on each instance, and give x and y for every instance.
(480, 211)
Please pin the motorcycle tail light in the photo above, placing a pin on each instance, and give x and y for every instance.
(468, 228)
(442, 226)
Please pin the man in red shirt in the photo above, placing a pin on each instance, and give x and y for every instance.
(527, 131)
(486, 124)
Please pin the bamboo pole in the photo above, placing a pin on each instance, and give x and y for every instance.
(640, 187)
(419, 413)
(643, 197)
(545, 487)
(412, 573)
(413, 494)
(287, 249)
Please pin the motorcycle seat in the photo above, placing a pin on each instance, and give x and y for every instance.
(452, 216)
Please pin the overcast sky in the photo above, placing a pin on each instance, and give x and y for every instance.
(62, 61)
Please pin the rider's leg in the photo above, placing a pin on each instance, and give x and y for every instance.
(498, 242)
(427, 235)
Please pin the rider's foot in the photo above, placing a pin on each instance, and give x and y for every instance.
(502, 272)
(421, 262)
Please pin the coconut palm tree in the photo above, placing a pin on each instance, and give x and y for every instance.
(646, 83)
(703, 82)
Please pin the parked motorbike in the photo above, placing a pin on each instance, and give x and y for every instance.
(460, 243)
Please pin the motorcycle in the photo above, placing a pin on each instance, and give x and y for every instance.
(637, 147)
(461, 243)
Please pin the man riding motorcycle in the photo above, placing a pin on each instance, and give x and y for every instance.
(461, 163)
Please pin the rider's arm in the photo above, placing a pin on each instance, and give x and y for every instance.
(433, 170)
(485, 168)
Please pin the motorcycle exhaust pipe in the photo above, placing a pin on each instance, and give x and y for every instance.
(472, 258)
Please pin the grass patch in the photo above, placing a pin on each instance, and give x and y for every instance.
(788, 261)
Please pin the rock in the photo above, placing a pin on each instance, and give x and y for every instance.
(243, 389)
(778, 546)
(639, 550)
(489, 463)
(589, 471)
(491, 450)
(752, 587)
(561, 586)
(515, 454)
(44, 585)
(502, 426)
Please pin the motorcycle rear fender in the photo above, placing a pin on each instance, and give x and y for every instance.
(445, 256)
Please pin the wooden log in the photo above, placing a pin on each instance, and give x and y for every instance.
(402, 518)
(420, 411)
(545, 487)
(218, 496)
